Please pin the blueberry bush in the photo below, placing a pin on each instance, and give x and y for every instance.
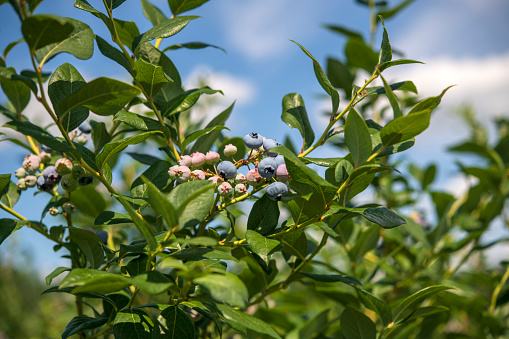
(165, 257)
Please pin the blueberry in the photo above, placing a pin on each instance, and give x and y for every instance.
(103, 235)
(83, 181)
(280, 160)
(267, 167)
(44, 185)
(50, 174)
(85, 127)
(277, 190)
(268, 144)
(253, 140)
(226, 170)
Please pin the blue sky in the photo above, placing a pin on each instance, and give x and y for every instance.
(462, 42)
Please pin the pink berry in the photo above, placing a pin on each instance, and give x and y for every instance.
(282, 173)
(32, 163)
(253, 177)
(212, 157)
(240, 189)
(198, 175)
(225, 188)
(197, 159)
(185, 160)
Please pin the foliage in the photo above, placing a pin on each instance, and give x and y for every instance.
(175, 262)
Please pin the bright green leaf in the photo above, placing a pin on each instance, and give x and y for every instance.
(224, 288)
(357, 138)
(150, 77)
(295, 115)
(405, 127)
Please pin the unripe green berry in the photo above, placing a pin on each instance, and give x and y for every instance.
(63, 166)
(78, 171)
(82, 139)
(69, 208)
(20, 173)
(54, 211)
(69, 182)
(21, 184)
(31, 180)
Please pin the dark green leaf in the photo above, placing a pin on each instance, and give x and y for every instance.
(193, 201)
(377, 305)
(42, 30)
(112, 218)
(113, 53)
(160, 203)
(10, 74)
(192, 45)
(185, 101)
(102, 96)
(56, 272)
(112, 4)
(224, 288)
(295, 115)
(180, 6)
(262, 246)
(78, 42)
(64, 81)
(100, 136)
(355, 325)
(90, 244)
(405, 127)
(385, 50)
(115, 147)
(152, 282)
(392, 63)
(145, 159)
(383, 217)
(5, 179)
(360, 55)
(165, 29)
(326, 162)
(150, 77)
(246, 321)
(390, 12)
(157, 173)
(340, 76)
(88, 280)
(393, 100)
(357, 138)
(88, 200)
(82, 323)
(10, 196)
(264, 216)
(7, 227)
(323, 80)
(178, 324)
(152, 13)
(138, 121)
(195, 135)
(402, 86)
(10, 46)
(429, 103)
(413, 300)
(332, 278)
(132, 324)
(39, 134)
(201, 253)
(127, 31)
(16, 91)
(344, 31)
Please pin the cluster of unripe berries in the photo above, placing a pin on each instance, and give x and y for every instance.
(225, 175)
(37, 171)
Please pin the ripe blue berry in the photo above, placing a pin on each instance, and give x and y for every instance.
(253, 140)
(226, 170)
(280, 160)
(50, 174)
(45, 148)
(103, 235)
(44, 185)
(267, 167)
(277, 190)
(268, 144)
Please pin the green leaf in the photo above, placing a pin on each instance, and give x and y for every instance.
(88, 200)
(115, 147)
(398, 147)
(5, 180)
(393, 100)
(224, 288)
(137, 121)
(377, 305)
(246, 321)
(132, 324)
(192, 201)
(390, 12)
(344, 31)
(10, 74)
(326, 162)
(392, 63)
(16, 91)
(192, 45)
(295, 115)
(180, 6)
(262, 246)
(89, 280)
(264, 216)
(127, 31)
(90, 244)
(410, 302)
(85, 6)
(332, 278)
(201, 253)
(185, 101)
(355, 325)
(196, 135)
(11, 45)
(357, 138)
(10, 196)
(79, 42)
(402, 86)
(113, 53)
(39, 134)
(383, 217)
(112, 4)
(42, 30)
(405, 127)
(429, 103)
(7, 227)
(102, 96)
(360, 55)
(160, 203)
(165, 29)
(178, 324)
(340, 76)
(152, 13)
(82, 323)
(323, 80)
(152, 282)
(56, 272)
(204, 143)
(150, 77)
(385, 50)
(112, 218)
(342, 171)
(141, 224)
(157, 173)
(64, 81)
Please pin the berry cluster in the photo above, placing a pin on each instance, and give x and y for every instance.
(225, 174)
(38, 171)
